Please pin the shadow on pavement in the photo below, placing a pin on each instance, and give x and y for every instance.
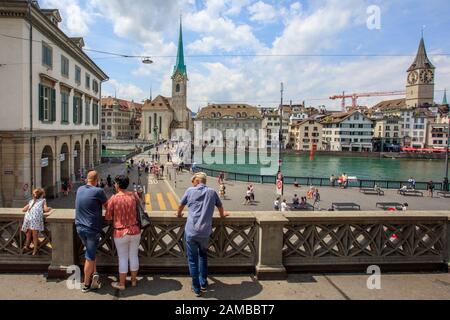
(301, 278)
(152, 286)
(222, 291)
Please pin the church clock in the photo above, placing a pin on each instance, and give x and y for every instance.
(426, 76)
(413, 77)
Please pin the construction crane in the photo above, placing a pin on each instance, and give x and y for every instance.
(355, 96)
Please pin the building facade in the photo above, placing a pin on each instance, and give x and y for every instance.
(388, 134)
(163, 115)
(271, 124)
(305, 135)
(438, 135)
(50, 96)
(222, 117)
(348, 131)
(121, 119)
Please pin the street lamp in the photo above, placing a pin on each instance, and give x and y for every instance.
(147, 60)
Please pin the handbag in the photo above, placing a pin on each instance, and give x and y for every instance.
(142, 216)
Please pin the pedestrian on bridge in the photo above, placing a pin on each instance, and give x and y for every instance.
(201, 201)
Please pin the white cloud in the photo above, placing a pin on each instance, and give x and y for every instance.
(152, 27)
(262, 12)
(127, 91)
(76, 19)
(218, 31)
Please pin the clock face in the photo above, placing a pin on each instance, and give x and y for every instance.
(426, 76)
(413, 77)
(179, 77)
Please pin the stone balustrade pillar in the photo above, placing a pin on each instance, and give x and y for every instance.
(270, 247)
(64, 255)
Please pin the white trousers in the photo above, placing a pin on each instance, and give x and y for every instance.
(128, 250)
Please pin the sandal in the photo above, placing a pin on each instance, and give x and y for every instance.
(116, 285)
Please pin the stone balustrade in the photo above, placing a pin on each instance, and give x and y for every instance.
(270, 244)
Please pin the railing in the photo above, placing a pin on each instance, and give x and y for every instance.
(268, 243)
(318, 182)
(12, 243)
(232, 244)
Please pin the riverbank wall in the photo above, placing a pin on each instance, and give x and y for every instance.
(397, 155)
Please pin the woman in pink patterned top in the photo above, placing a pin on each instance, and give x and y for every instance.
(127, 232)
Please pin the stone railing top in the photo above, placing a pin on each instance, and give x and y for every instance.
(62, 215)
(367, 216)
(263, 217)
(16, 213)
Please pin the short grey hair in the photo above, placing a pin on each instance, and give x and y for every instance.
(201, 176)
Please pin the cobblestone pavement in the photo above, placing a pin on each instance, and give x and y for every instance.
(239, 287)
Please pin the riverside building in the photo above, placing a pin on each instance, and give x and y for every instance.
(50, 96)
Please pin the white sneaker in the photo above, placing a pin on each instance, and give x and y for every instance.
(95, 284)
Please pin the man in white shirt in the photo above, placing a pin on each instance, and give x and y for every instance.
(284, 206)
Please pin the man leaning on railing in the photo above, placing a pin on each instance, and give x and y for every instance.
(201, 201)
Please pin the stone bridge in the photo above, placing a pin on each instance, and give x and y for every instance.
(268, 244)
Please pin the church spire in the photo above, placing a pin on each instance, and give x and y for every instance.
(444, 100)
(180, 66)
(421, 61)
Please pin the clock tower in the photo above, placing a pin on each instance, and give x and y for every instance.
(179, 87)
(420, 80)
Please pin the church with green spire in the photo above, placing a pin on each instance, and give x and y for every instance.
(163, 115)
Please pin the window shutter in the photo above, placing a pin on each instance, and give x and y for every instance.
(75, 111)
(95, 114)
(53, 106)
(80, 121)
(41, 102)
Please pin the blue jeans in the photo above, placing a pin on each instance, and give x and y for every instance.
(90, 240)
(197, 254)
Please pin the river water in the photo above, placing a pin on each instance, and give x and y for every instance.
(363, 168)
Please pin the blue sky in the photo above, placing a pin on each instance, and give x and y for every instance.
(271, 28)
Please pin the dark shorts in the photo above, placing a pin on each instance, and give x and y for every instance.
(90, 239)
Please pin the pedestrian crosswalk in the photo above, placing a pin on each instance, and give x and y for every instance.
(160, 202)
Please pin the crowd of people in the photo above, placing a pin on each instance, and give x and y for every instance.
(299, 203)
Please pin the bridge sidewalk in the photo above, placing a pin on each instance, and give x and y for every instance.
(297, 287)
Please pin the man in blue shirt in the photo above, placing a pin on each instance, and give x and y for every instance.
(88, 222)
(201, 201)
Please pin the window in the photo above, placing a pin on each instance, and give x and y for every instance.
(88, 81)
(47, 55)
(78, 75)
(87, 109)
(64, 66)
(64, 107)
(47, 103)
(177, 89)
(95, 86)
(77, 110)
(95, 113)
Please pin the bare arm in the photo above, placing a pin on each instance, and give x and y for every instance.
(26, 208)
(46, 209)
(222, 212)
(180, 213)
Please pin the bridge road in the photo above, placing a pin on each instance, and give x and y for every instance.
(158, 195)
